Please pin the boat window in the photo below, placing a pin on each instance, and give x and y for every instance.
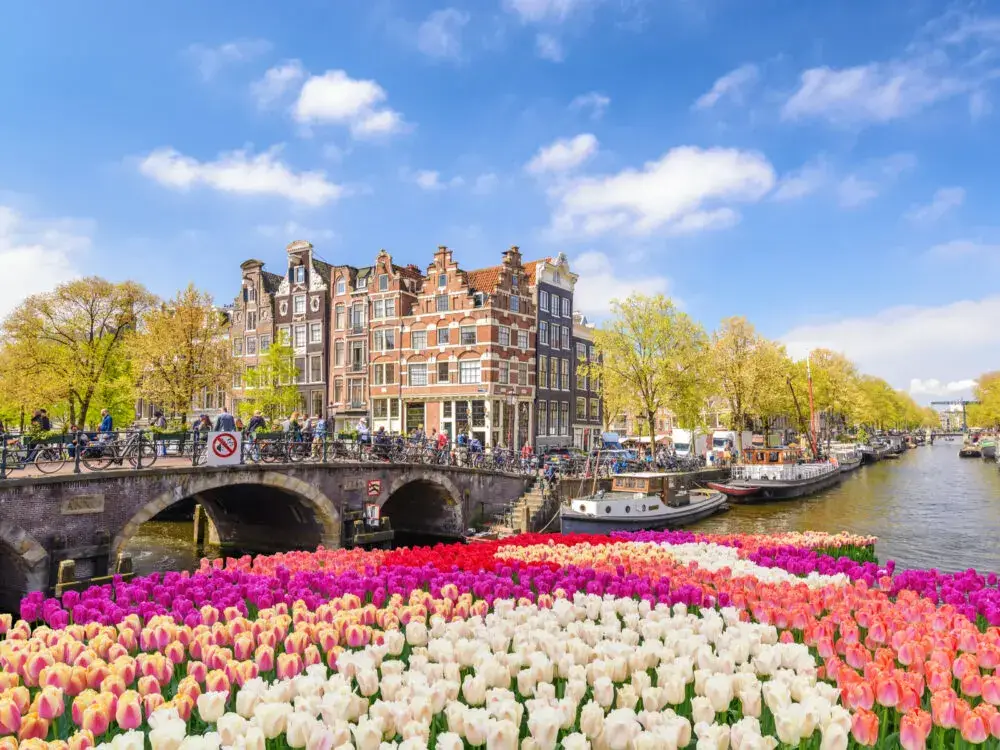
(772, 456)
(607, 508)
(628, 509)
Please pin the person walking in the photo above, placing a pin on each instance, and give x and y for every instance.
(225, 422)
(319, 436)
(159, 423)
(107, 425)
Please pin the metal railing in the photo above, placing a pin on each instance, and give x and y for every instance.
(789, 473)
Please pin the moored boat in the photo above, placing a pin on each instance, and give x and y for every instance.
(640, 501)
(848, 456)
(970, 450)
(777, 474)
(988, 448)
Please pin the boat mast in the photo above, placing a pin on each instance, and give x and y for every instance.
(813, 427)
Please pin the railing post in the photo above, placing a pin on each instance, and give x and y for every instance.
(77, 447)
(194, 448)
(3, 458)
(324, 439)
(138, 458)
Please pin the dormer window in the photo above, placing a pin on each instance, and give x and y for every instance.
(383, 282)
(251, 293)
(442, 280)
(300, 274)
(513, 280)
(341, 286)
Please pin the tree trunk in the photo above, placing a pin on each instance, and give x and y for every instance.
(651, 415)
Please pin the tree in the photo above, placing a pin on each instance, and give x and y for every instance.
(834, 386)
(774, 399)
(24, 386)
(649, 356)
(182, 348)
(269, 387)
(750, 371)
(74, 333)
(987, 392)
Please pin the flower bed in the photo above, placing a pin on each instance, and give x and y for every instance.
(642, 640)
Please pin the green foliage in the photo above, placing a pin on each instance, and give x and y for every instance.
(270, 386)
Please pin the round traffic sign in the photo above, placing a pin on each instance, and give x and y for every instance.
(224, 445)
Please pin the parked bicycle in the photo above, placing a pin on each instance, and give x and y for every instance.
(48, 458)
(100, 455)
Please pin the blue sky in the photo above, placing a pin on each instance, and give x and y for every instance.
(826, 169)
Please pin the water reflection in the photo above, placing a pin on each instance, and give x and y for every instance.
(929, 509)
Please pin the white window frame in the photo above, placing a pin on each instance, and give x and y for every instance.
(418, 369)
(299, 301)
(470, 371)
(566, 312)
(462, 331)
(565, 338)
(504, 336)
(514, 304)
(543, 371)
(383, 282)
(543, 301)
(522, 340)
(296, 330)
(543, 332)
(413, 340)
(503, 372)
(315, 333)
(341, 285)
(447, 336)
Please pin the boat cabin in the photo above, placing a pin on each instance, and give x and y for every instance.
(671, 488)
(771, 456)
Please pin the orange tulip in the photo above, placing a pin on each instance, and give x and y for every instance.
(184, 705)
(174, 651)
(914, 728)
(82, 740)
(128, 714)
(147, 685)
(8, 743)
(33, 726)
(151, 702)
(10, 717)
(974, 728)
(217, 682)
(864, 728)
(20, 697)
(50, 704)
(9, 680)
(34, 665)
(113, 684)
(944, 708)
(288, 666)
(264, 658)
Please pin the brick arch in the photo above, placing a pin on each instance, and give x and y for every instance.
(29, 557)
(432, 477)
(323, 508)
(446, 516)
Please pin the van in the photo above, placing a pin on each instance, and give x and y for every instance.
(682, 442)
(722, 438)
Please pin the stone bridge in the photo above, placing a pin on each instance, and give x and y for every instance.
(274, 507)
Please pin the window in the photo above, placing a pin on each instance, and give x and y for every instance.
(522, 373)
(543, 333)
(515, 304)
(504, 336)
(555, 307)
(478, 299)
(361, 283)
(251, 294)
(338, 390)
(265, 343)
(380, 408)
(592, 357)
(378, 308)
(394, 408)
(315, 333)
(504, 372)
(251, 344)
(555, 335)
(564, 419)
(442, 280)
(467, 335)
(581, 350)
(543, 301)
(565, 338)
(565, 374)
(542, 418)
(581, 408)
(581, 379)
(522, 339)
(339, 317)
(383, 282)
(284, 335)
(595, 406)
(566, 302)
(300, 336)
(357, 356)
(515, 279)
(315, 369)
(338, 354)
(543, 372)
(341, 285)
(447, 409)
(469, 371)
(554, 373)
(237, 380)
(441, 303)
(385, 340)
(442, 372)
(418, 374)
(418, 340)
(357, 317)
(385, 374)
(237, 347)
(300, 369)
(357, 393)
(442, 336)
(252, 321)
(554, 420)
(299, 304)
(390, 308)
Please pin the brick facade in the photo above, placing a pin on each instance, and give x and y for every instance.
(587, 416)
(252, 327)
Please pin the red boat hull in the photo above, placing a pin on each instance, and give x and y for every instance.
(733, 491)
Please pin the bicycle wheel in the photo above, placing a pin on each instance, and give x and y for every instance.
(96, 458)
(50, 460)
(148, 453)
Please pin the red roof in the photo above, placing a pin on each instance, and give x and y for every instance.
(483, 279)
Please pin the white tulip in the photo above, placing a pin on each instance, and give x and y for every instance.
(211, 706)
(449, 741)
(230, 726)
(626, 697)
(167, 735)
(272, 718)
(298, 728)
(367, 733)
(790, 722)
(621, 727)
(416, 633)
(209, 741)
(544, 727)
(502, 735)
(701, 710)
(604, 692)
(163, 716)
(719, 691)
(474, 690)
(712, 736)
(575, 741)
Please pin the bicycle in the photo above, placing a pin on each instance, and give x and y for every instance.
(100, 455)
(47, 458)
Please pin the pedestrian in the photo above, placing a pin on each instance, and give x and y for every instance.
(362, 428)
(159, 423)
(79, 439)
(256, 423)
(107, 425)
(319, 435)
(225, 422)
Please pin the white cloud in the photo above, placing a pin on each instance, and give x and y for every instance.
(37, 255)
(485, 183)
(595, 101)
(544, 11)
(277, 81)
(292, 230)
(732, 85)
(336, 98)
(240, 172)
(944, 200)
(950, 341)
(210, 60)
(677, 193)
(549, 48)
(803, 182)
(440, 36)
(599, 284)
(429, 179)
(873, 93)
(854, 191)
(934, 387)
(563, 155)
(965, 250)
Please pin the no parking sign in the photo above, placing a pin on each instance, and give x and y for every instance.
(223, 448)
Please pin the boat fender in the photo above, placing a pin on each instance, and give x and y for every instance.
(643, 508)
(628, 509)
(607, 508)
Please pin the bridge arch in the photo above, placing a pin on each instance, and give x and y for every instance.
(310, 516)
(425, 502)
(23, 565)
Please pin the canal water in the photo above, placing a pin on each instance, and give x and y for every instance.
(929, 509)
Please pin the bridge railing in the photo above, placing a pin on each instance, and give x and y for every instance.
(93, 452)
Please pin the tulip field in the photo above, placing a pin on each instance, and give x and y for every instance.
(646, 640)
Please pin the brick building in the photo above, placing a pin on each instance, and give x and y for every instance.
(467, 346)
(587, 414)
(369, 304)
(252, 320)
(552, 291)
(302, 318)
